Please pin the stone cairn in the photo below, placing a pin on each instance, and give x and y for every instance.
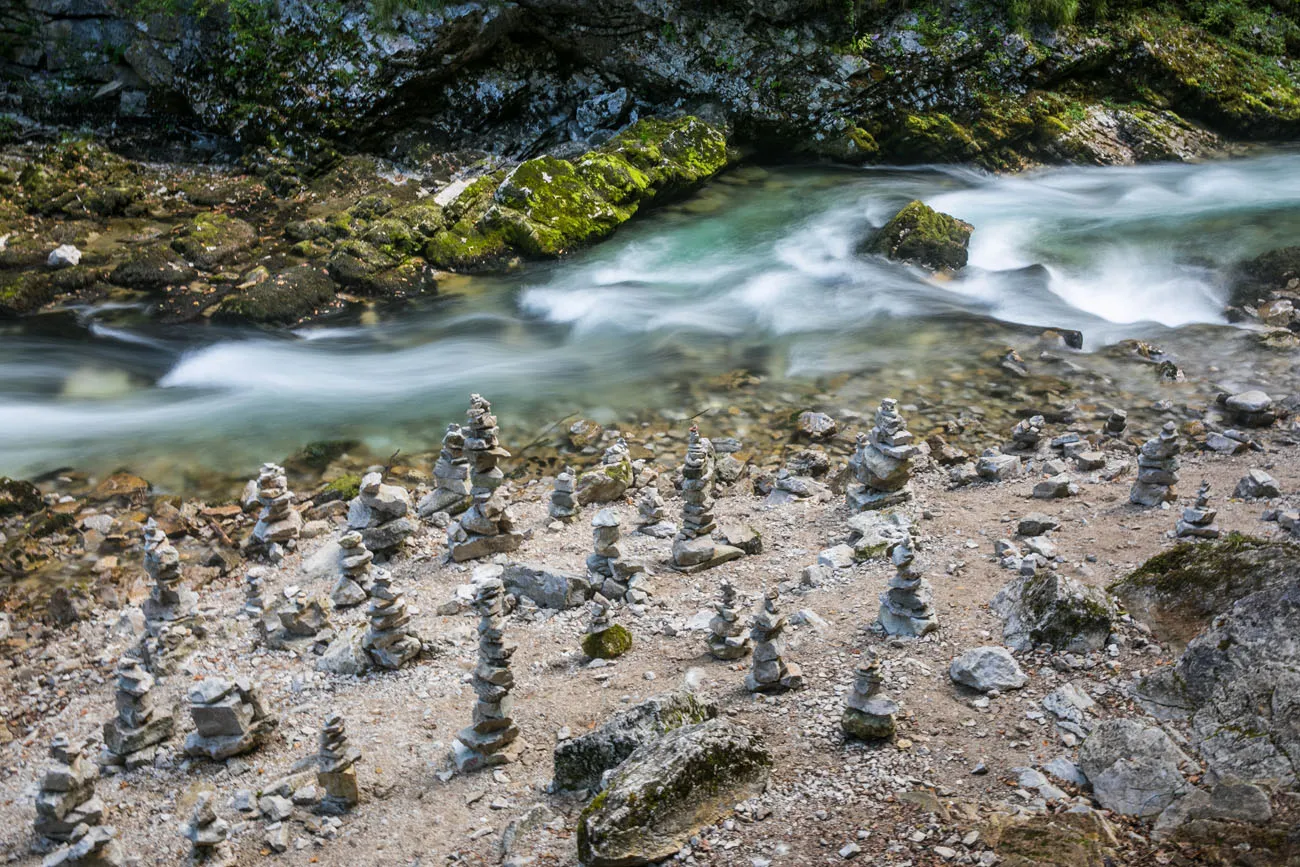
(229, 718)
(380, 513)
(279, 524)
(882, 463)
(693, 546)
(89, 847)
(254, 601)
(390, 641)
(564, 506)
(1116, 423)
(493, 737)
(354, 571)
(1197, 521)
(605, 639)
(727, 638)
(652, 514)
(771, 673)
(868, 715)
(67, 797)
(165, 652)
(905, 607)
(1027, 434)
(131, 739)
(208, 835)
(1157, 469)
(450, 494)
(487, 527)
(170, 603)
(335, 773)
(304, 622)
(614, 576)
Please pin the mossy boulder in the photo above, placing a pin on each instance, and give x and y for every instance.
(670, 788)
(1052, 609)
(1061, 840)
(18, 497)
(580, 763)
(78, 178)
(920, 235)
(1178, 592)
(212, 240)
(609, 643)
(287, 297)
(1255, 280)
(152, 269)
(27, 292)
(606, 483)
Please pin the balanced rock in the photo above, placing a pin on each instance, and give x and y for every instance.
(229, 718)
(605, 639)
(67, 796)
(354, 571)
(564, 506)
(1027, 434)
(169, 602)
(727, 638)
(694, 547)
(652, 514)
(1116, 423)
(380, 513)
(304, 622)
(1197, 521)
(608, 482)
(132, 738)
(487, 527)
(987, 668)
(451, 492)
(616, 576)
(492, 738)
(882, 462)
(905, 606)
(1157, 469)
(771, 672)
(336, 774)
(868, 715)
(390, 641)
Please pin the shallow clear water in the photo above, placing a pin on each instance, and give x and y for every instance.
(758, 272)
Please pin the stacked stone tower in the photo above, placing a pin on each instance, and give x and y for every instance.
(131, 739)
(882, 463)
(1157, 469)
(492, 737)
(727, 638)
(279, 524)
(487, 527)
(868, 714)
(450, 494)
(771, 672)
(905, 607)
(336, 772)
(694, 547)
(67, 797)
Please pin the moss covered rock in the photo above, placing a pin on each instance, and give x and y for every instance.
(27, 292)
(287, 297)
(78, 178)
(18, 497)
(151, 269)
(920, 235)
(609, 643)
(212, 240)
(1052, 609)
(670, 788)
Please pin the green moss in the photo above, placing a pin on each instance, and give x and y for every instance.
(923, 236)
(287, 297)
(346, 487)
(212, 240)
(1196, 567)
(610, 643)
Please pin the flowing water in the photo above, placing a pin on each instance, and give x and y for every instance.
(757, 272)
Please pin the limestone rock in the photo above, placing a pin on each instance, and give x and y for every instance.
(1257, 485)
(547, 588)
(608, 482)
(920, 235)
(987, 668)
(1045, 607)
(1133, 768)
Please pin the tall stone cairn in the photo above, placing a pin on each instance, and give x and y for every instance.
(487, 527)
(450, 494)
(1157, 469)
(727, 638)
(771, 672)
(564, 506)
(694, 546)
(492, 738)
(279, 524)
(254, 598)
(169, 602)
(67, 797)
(905, 606)
(131, 739)
(354, 571)
(336, 774)
(208, 835)
(389, 641)
(1198, 521)
(867, 714)
(229, 718)
(882, 462)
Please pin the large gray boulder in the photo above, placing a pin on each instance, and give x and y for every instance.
(1238, 683)
(580, 763)
(547, 588)
(1050, 608)
(669, 789)
(1134, 769)
(987, 668)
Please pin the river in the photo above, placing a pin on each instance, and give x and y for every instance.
(758, 272)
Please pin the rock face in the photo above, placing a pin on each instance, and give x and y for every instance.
(668, 789)
(920, 235)
(882, 462)
(608, 482)
(1133, 768)
(229, 718)
(1157, 469)
(67, 796)
(1238, 683)
(492, 738)
(868, 715)
(450, 492)
(987, 668)
(131, 738)
(581, 762)
(1045, 607)
(380, 514)
(694, 547)
(488, 526)
(905, 607)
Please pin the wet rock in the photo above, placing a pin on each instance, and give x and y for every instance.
(1251, 408)
(668, 789)
(920, 235)
(18, 497)
(987, 668)
(212, 240)
(285, 298)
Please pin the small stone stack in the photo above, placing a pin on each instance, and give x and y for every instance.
(254, 601)
(381, 514)
(354, 571)
(390, 641)
(279, 524)
(1027, 434)
(488, 526)
(605, 639)
(771, 673)
(693, 546)
(905, 607)
(1157, 469)
(652, 514)
(613, 575)
(869, 715)
(165, 653)
(169, 602)
(492, 738)
(335, 773)
(727, 638)
(304, 622)
(89, 847)
(67, 797)
(131, 740)
(208, 835)
(1197, 521)
(229, 718)
(610, 479)
(450, 494)
(882, 463)
(564, 507)
(1116, 423)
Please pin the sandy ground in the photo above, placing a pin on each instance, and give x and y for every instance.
(823, 793)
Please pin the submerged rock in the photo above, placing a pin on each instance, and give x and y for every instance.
(920, 235)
